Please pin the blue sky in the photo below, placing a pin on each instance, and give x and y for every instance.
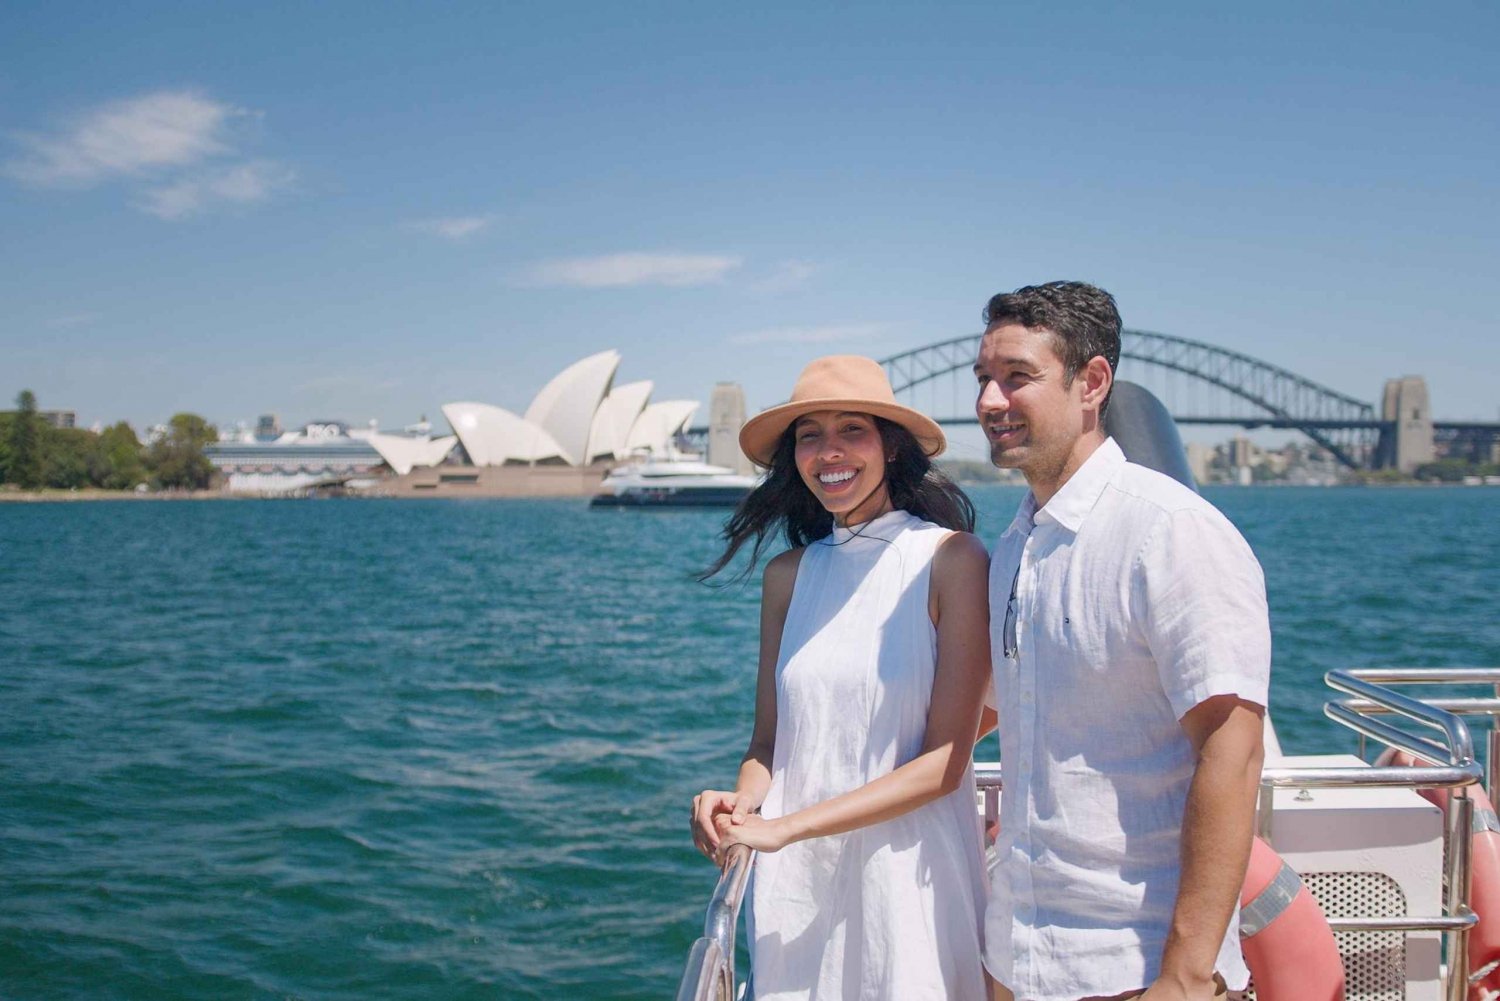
(364, 211)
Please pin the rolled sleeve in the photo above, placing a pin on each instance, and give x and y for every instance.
(1202, 605)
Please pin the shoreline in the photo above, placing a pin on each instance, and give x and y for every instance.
(81, 496)
(75, 496)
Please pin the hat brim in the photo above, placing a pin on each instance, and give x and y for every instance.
(761, 433)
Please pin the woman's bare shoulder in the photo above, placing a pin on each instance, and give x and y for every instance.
(782, 568)
(961, 555)
(779, 578)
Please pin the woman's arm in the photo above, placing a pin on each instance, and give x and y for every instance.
(755, 768)
(960, 583)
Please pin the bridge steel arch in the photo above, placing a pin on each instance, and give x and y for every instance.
(1345, 426)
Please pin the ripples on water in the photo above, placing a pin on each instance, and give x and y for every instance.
(433, 749)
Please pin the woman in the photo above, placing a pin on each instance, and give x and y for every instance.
(874, 659)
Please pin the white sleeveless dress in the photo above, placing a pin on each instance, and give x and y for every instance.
(890, 912)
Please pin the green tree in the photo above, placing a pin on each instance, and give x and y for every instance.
(6, 419)
(1444, 470)
(23, 460)
(119, 465)
(176, 459)
(67, 454)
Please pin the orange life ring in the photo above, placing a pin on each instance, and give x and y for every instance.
(1284, 935)
(1484, 880)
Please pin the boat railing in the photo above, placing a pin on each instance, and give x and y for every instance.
(1435, 733)
(1432, 732)
(1439, 736)
(987, 778)
(710, 966)
(1484, 708)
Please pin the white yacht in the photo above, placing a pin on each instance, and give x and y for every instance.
(673, 481)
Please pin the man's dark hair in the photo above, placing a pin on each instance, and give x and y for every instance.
(1082, 319)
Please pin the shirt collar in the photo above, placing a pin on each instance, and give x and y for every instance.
(1077, 497)
(1022, 523)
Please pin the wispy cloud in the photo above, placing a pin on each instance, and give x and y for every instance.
(834, 333)
(452, 228)
(177, 149)
(786, 276)
(632, 269)
(240, 185)
(69, 320)
(164, 129)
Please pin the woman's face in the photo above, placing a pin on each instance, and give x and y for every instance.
(842, 460)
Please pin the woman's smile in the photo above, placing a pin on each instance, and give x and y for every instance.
(837, 479)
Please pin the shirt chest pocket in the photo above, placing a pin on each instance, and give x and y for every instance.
(1084, 631)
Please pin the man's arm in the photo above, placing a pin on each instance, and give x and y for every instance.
(1217, 826)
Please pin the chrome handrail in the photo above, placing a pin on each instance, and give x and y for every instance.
(1362, 683)
(710, 966)
(1450, 747)
(1454, 767)
(1459, 706)
(987, 781)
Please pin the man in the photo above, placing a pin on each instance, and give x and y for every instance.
(1131, 649)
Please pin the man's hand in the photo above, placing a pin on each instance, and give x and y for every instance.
(1177, 989)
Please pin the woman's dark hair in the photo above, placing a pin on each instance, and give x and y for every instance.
(783, 504)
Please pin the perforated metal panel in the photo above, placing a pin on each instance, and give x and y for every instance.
(1374, 962)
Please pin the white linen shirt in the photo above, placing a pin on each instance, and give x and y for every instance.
(1135, 601)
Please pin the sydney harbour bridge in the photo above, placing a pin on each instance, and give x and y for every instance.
(1203, 384)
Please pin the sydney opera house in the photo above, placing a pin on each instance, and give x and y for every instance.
(576, 427)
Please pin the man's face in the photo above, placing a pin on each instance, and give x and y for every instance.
(1030, 415)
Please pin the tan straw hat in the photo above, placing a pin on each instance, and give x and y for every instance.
(837, 382)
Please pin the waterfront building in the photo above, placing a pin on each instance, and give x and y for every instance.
(576, 427)
(577, 419)
(322, 454)
(1199, 457)
(54, 418)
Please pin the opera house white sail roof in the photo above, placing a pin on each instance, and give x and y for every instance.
(658, 424)
(565, 407)
(577, 418)
(403, 452)
(493, 436)
(610, 433)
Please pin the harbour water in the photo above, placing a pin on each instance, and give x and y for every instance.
(444, 749)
